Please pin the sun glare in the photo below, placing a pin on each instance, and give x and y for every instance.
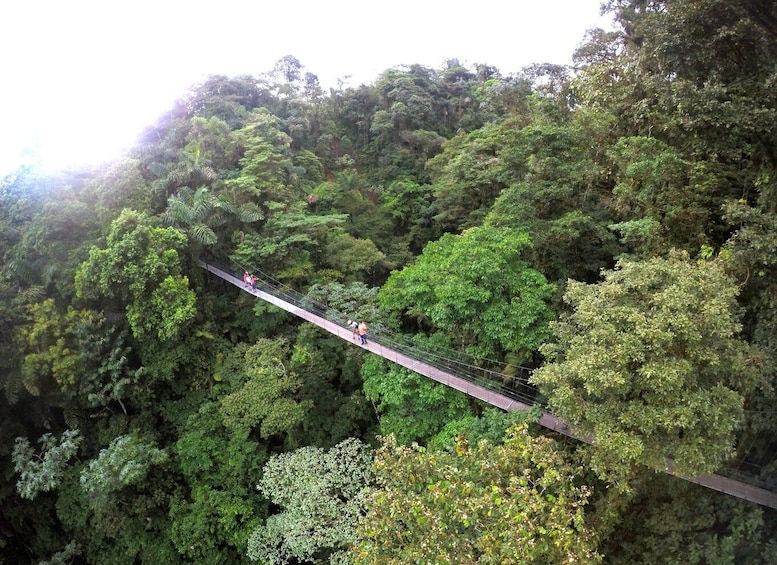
(83, 82)
(83, 129)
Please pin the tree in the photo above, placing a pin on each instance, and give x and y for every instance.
(333, 386)
(286, 243)
(64, 557)
(198, 213)
(216, 142)
(141, 267)
(106, 373)
(192, 212)
(40, 472)
(228, 100)
(288, 69)
(689, 81)
(648, 361)
(660, 195)
(476, 287)
(124, 462)
(264, 393)
(218, 510)
(408, 204)
(469, 175)
(764, 14)
(214, 525)
(116, 505)
(51, 349)
(556, 191)
(266, 166)
(356, 300)
(409, 406)
(188, 172)
(320, 494)
(518, 502)
(666, 520)
(749, 256)
(120, 185)
(352, 256)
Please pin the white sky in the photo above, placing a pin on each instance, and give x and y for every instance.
(82, 78)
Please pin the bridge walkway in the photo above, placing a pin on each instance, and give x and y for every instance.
(503, 398)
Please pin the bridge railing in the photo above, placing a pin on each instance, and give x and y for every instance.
(456, 363)
(515, 386)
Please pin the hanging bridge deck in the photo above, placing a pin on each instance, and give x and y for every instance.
(716, 482)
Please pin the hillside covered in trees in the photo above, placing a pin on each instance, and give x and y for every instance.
(610, 227)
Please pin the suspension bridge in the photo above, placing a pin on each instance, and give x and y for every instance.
(506, 391)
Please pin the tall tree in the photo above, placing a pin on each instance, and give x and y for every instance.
(321, 494)
(124, 462)
(469, 174)
(264, 392)
(213, 517)
(513, 503)
(667, 520)
(408, 405)
(41, 472)
(649, 362)
(477, 287)
(141, 267)
(199, 213)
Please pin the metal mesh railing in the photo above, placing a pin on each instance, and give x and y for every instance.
(515, 386)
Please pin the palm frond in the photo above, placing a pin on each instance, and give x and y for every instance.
(209, 174)
(226, 205)
(217, 218)
(250, 212)
(202, 234)
(31, 383)
(32, 294)
(22, 270)
(48, 273)
(12, 387)
(72, 419)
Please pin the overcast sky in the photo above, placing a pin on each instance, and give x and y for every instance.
(81, 78)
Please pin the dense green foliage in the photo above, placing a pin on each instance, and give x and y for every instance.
(509, 504)
(475, 287)
(610, 227)
(322, 497)
(648, 363)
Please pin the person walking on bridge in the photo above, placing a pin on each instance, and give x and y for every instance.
(354, 328)
(363, 332)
